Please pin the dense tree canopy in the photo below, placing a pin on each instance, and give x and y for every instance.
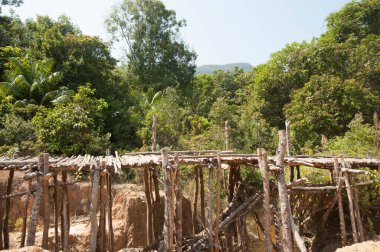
(155, 53)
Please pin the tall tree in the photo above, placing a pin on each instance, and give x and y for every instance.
(155, 53)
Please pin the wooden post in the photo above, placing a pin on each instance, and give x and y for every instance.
(7, 208)
(154, 133)
(179, 219)
(25, 217)
(359, 223)
(168, 236)
(350, 205)
(217, 213)
(288, 145)
(46, 196)
(1, 226)
(102, 218)
(195, 204)
(172, 203)
(36, 206)
(227, 135)
(375, 120)
(263, 164)
(149, 230)
(210, 223)
(340, 205)
(110, 228)
(202, 196)
(94, 207)
(65, 216)
(283, 196)
(56, 214)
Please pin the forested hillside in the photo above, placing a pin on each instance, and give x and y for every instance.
(62, 92)
(209, 69)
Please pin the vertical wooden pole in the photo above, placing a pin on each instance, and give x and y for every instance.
(168, 236)
(110, 228)
(195, 204)
(149, 230)
(227, 135)
(263, 164)
(375, 120)
(25, 217)
(359, 223)
(65, 234)
(154, 133)
(210, 223)
(277, 227)
(7, 208)
(1, 226)
(283, 196)
(202, 196)
(172, 203)
(157, 215)
(179, 219)
(288, 143)
(340, 205)
(102, 218)
(46, 196)
(94, 208)
(351, 207)
(56, 214)
(36, 206)
(217, 212)
(298, 172)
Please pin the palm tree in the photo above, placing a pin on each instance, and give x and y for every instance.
(31, 81)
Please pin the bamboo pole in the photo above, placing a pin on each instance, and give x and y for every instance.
(217, 213)
(7, 208)
(359, 223)
(168, 236)
(342, 223)
(110, 228)
(179, 218)
(227, 130)
(210, 208)
(149, 228)
(36, 207)
(56, 214)
(65, 217)
(94, 207)
(25, 217)
(283, 196)
(46, 196)
(263, 164)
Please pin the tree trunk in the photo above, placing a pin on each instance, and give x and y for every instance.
(168, 236)
(148, 207)
(217, 213)
(7, 208)
(94, 208)
(25, 217)
(46, 196)
(179, 219)
(110, 228)
(210, 208)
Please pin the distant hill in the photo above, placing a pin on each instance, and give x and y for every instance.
(209, 69)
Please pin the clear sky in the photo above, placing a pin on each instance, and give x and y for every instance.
(219, 31)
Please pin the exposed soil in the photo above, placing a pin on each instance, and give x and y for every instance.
(367, 246)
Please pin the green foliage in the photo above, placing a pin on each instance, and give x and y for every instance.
(325, 105)
(155, 54)
(360, 140)
(16, 130)
(73, 128)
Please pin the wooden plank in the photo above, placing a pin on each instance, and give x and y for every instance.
(94, 207)
(263, 163)
(7, 208)
(283, 196)
(46, 196)
(36, 207)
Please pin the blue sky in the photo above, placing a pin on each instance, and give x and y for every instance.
(219, 31)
